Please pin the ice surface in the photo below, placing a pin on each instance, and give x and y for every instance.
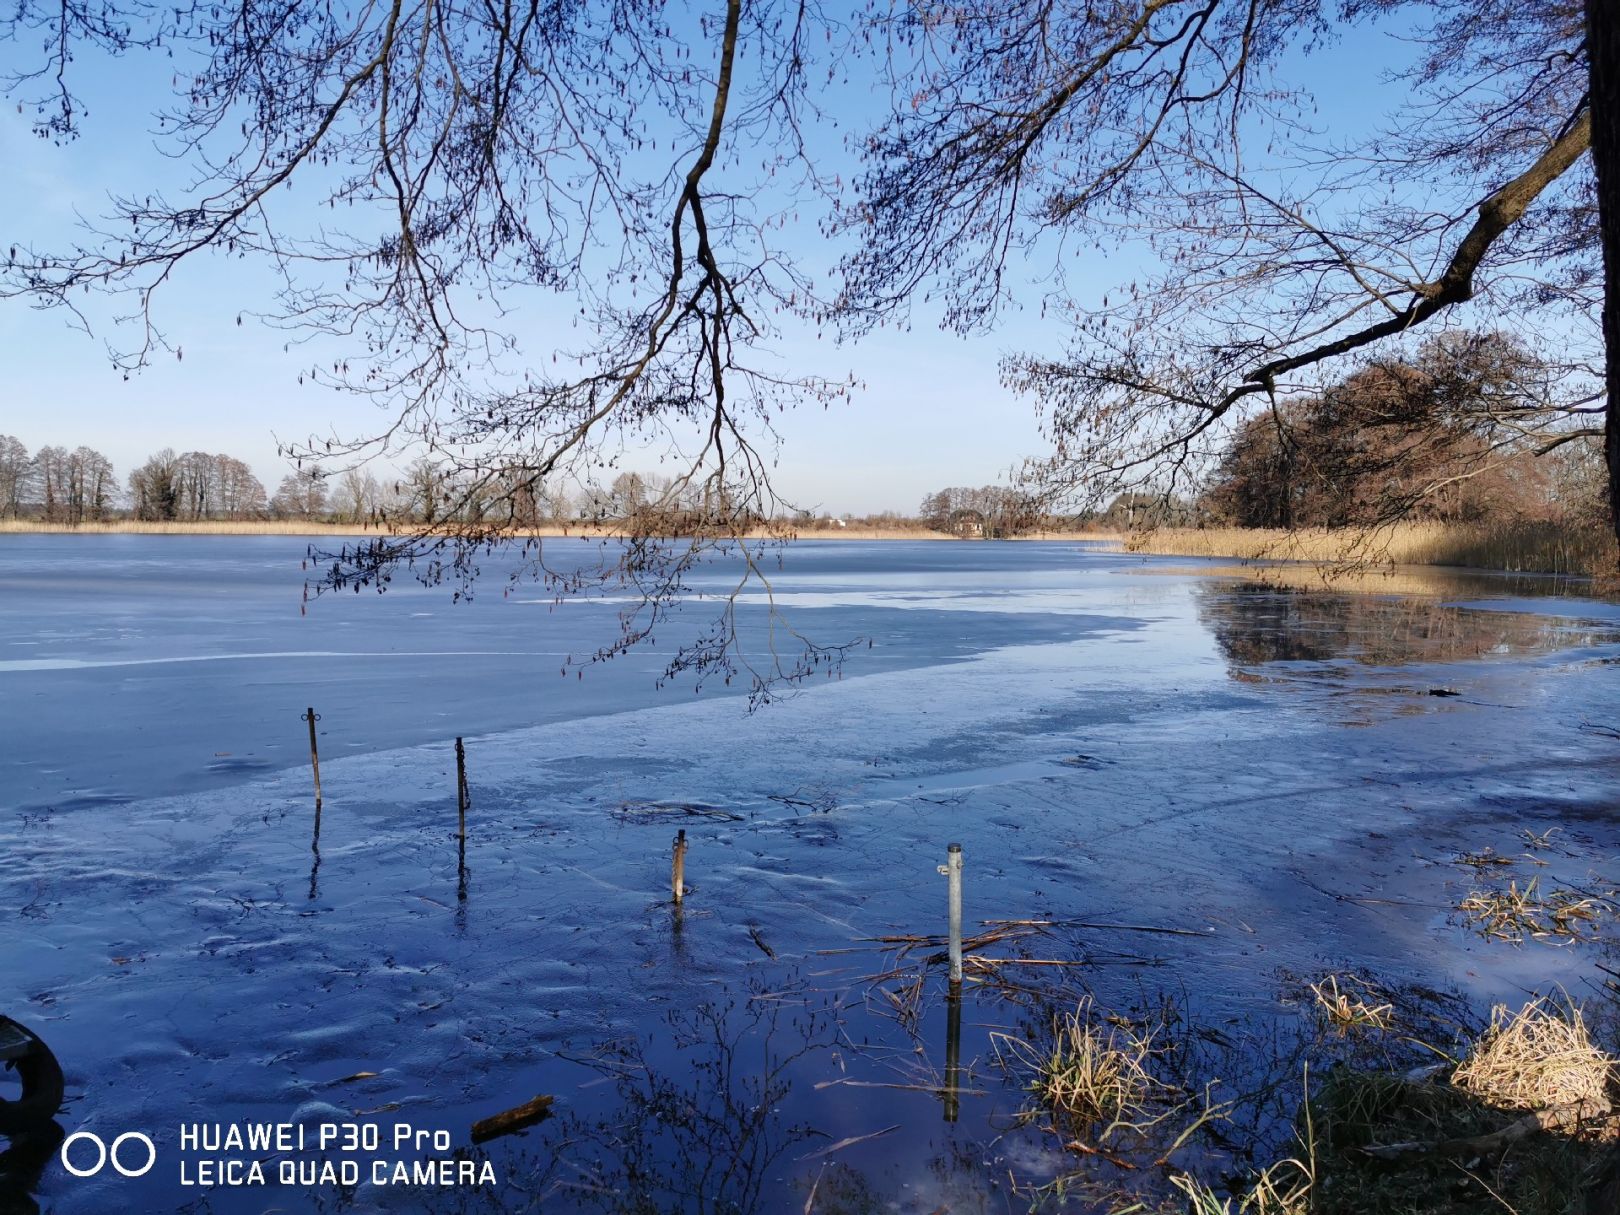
(1264, 767)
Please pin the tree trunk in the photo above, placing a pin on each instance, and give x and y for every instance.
(1603, 58)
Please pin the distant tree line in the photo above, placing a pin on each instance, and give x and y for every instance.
(55, 484)
(194, 487)
(516, 497)
(60, 486)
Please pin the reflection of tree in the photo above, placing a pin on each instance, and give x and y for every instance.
(962, 1178)
(700, 1122)
(1256, 623)
(697, 1121)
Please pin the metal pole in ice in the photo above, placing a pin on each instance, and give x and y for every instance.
(677, 877)
(311, 716)
(952, 869)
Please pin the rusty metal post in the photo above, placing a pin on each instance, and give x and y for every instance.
(677, 875)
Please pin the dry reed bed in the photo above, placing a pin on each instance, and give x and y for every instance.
(1540, 548)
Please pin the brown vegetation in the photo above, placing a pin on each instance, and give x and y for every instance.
(1538, 1057)
(1457, 435)
(1522, 1124)
(1545, 548)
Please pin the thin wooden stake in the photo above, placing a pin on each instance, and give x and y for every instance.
(311, 716)
(677, 877)
(461, 790)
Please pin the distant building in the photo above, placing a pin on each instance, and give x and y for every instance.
(968, 524)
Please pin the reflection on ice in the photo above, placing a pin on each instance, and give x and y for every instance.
(1254, 623)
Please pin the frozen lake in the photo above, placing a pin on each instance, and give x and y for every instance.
(1283, 773)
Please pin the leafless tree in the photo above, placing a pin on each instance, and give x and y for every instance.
(996, 511)
(197, 485)
(57, 485)
(360, 496)
(1044, 129)
(301, 495)
(90, 486)
(486, 157)
(51, 480)
(14, 470)
(629, 494)
(554, 503)
(422, 495)
(1603, 55)
(1452, 435)
(240, 494)
(154, 487)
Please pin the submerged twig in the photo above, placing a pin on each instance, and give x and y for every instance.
(1172, 932)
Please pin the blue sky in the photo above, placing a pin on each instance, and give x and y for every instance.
(932, 412)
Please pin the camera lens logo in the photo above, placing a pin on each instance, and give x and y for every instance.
(119, 1156)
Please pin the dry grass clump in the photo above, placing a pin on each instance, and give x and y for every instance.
(1348, 1008)
(1111, 1093)
(1543, 548)
(1516, 1128)
(1286, 1188)
(1486, 858)
(1095, 1073)
(1514, 914)
(1537, 1058)
(1283, 1189)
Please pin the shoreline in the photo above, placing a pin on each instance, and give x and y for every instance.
(1337, 556)
(549, 532)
